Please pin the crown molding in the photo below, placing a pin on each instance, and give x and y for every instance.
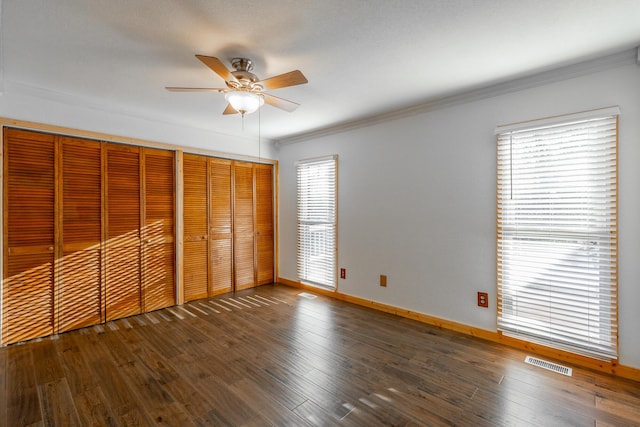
(626, 57)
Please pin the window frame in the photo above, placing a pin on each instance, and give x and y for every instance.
(602, 343)
(322, 271)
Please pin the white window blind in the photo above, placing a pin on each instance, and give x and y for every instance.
(317, 218)
(557, 233)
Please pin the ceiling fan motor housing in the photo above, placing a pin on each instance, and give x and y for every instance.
(242, 64)
(245, 78)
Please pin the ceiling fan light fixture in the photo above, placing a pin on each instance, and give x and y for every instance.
(244, 102)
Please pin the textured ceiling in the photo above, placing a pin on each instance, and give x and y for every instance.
(361, 58)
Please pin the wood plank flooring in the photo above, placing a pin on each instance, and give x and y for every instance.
(268, 356)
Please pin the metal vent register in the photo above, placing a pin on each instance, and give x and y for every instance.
(564, 370)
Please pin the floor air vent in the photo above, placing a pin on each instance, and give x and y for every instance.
(564, 370)
(306, 295)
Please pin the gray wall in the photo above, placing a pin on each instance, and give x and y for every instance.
(417, 199)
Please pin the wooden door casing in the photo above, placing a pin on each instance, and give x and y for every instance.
(240, 229)
(90, 230)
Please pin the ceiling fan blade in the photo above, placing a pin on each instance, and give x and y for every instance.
(229, 110)
(292, 78)
(281, 103)
(194, 89)
(218, 67)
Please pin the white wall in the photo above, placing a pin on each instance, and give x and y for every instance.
(20, 105)
(417, 200)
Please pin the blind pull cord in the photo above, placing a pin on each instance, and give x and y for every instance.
(511, 166)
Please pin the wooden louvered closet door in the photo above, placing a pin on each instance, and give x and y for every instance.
(264, 224)
(29, 196)
(221, 226)
(196, 256)
(123, 287)
(243, 226)
(158, 275)
(78, 286)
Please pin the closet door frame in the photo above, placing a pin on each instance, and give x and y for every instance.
(106, 139)
(252, 171)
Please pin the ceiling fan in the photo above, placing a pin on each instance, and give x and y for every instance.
(245, 91)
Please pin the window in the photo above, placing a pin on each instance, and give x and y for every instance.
(557, 232)
(317, 221)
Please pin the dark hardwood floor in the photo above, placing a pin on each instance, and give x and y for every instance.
(271, 357)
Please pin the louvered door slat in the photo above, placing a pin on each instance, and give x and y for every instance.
(78, 287)
(243, 226)
(221, 227)
(123, 285)
(158, 230)
(29, 187)
(28, 297)
(195, 227)
(264, 224)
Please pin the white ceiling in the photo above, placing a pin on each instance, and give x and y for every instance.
(362, 58)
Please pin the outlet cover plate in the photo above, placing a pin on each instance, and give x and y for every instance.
(483, 299)
(383, 280)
